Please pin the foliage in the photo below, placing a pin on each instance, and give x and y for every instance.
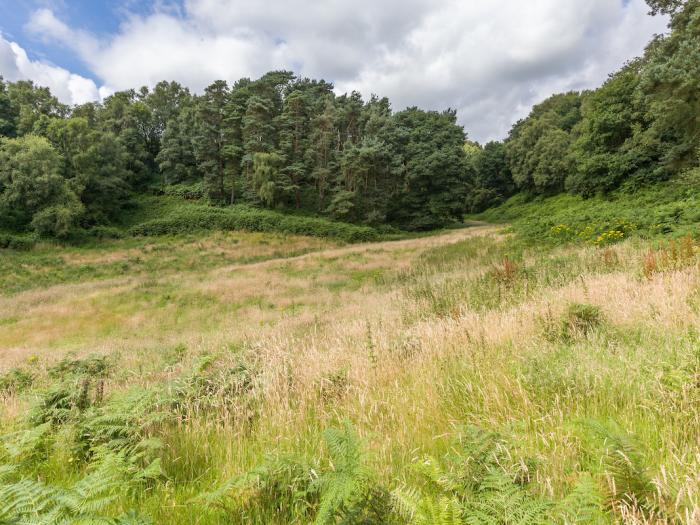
(664, 209)
(188, 192)
(434, 170)
(605, 150)
(667, 84)
(16, 242)
(199, 217)
(623, 461)
(348, 490)
(631, 132)
(492, 181)
(577, 320)
(476, 485)
(278, 141)
(15, 380)
(281, 485)
(94, 366)
(88, 500)
(538, 146)
(32, 190)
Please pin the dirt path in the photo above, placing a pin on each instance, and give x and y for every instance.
(155, 311)
(429, 241)
(18, 302)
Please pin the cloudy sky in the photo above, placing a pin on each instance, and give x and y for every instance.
(491, 60)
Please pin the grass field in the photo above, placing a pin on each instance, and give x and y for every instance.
(465, 377)
(671, 209)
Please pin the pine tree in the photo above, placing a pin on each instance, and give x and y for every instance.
(210, 141)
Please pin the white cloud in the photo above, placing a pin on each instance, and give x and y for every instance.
(43, 21)
(493, 61)
(68, 87)
(490, 60)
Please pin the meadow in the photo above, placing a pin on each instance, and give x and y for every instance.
(669, 210)
(463, 377)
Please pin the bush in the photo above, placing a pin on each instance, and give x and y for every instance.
(577, 320)
(191, 218)
(56, 221)
(15, 381)
(17, 242)
(93, 366)
(665, 208)
(582, 318)
(189, 192)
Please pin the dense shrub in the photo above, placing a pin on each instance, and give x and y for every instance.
(670, 208)
(192, 218)
(581, 318)
(17, 242)
(194, 191)
(15, 380)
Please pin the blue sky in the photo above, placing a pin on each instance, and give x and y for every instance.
(490, 60)
(98, 17)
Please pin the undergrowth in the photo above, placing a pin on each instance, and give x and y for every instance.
(514, 385)
(188, 217)
(671, 208)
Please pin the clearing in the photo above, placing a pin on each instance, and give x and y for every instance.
(575, 367)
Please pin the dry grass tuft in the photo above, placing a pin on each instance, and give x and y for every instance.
(411, 340)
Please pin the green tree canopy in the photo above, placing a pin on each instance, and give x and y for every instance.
(33, 194)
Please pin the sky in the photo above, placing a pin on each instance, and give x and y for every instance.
(491, 60)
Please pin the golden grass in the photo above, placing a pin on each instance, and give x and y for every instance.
(143, 311)
(330, 334)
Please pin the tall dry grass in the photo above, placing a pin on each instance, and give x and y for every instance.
(410, 341)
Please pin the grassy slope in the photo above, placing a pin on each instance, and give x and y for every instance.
(157, 216)
(48, 264)
(411, 341)
(670, 209)
(165, 234)
(171, 215)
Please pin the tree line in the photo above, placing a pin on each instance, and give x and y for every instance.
(278, 142)
(291, 143)
(640, 127)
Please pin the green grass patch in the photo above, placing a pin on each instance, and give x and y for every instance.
(49, 263)
(670, 209)
(178, 217)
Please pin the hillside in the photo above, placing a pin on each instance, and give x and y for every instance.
(269, 302)
(669, 210)
(479, 375)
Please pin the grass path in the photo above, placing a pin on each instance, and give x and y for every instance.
(413, 341)
(181, 300)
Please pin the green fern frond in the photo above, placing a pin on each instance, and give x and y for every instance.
(442, 480)
(584, 504)
(476, 453)
(281, 485)
(449, 512)
(25, 498)
(28, 444)
(501, 501)
(406, 502)
(421, 510)
(349, 486)
(7, 472)
(624, 461)
(28, 501)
